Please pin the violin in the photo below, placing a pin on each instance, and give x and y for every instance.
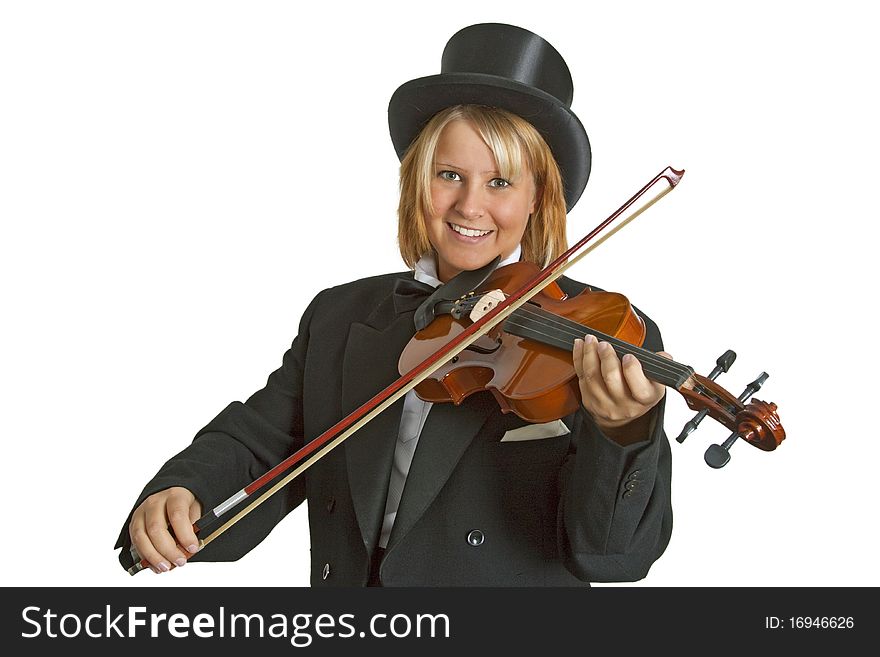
(525, 362)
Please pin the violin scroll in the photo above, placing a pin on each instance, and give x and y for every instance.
(756, 422)
(758, 425)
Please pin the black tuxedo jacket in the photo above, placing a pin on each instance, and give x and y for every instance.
(476, 510)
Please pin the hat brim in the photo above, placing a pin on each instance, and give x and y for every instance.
(416, 101)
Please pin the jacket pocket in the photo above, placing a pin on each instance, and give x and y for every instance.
(536, 432)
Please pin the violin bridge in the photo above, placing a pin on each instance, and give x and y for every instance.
(486, 304)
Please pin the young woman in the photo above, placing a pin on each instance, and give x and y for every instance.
(438, 494)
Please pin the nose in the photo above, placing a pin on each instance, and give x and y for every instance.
(471, 202)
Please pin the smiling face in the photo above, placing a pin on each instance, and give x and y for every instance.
(477, 213)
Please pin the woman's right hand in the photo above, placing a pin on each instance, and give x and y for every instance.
(149, 528)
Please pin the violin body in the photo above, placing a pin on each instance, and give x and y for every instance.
(535, 381)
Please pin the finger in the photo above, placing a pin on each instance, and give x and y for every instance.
(612, 374)
(577, 356)
(195, 511)
(589, 361)
(143, 544)
(180, 508)
(156, 524)
(642, 389)
(593, 392)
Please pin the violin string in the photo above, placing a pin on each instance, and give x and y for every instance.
(573, 330)
(654, 364)
(663, 369)
(567, 329)
(663, 372)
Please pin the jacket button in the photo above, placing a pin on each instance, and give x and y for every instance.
(627, 492)
(475, 537)
(331, 503)
(326, 572)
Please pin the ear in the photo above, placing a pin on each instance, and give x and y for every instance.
(536, 199)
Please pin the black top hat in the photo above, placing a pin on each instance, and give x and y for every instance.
(500, 66)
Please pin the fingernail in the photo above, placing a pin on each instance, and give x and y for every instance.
(180, 561)
(192, 548)
(604, 346)
(590, 338)
(164, 567)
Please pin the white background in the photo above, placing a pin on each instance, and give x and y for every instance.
(179, 179)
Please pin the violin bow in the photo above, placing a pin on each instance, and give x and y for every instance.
(214, 523)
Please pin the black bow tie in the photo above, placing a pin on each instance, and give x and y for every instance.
(409, 294)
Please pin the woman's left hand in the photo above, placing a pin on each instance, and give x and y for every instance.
(615, 391)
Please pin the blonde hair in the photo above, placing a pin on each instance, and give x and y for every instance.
(514, 142)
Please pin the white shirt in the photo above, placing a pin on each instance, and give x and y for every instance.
(415, 412)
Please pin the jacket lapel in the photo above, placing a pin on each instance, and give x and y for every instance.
(370, 364)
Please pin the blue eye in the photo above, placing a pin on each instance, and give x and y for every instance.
(449, 175)
(500, 183)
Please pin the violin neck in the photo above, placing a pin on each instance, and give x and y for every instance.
(537, 324)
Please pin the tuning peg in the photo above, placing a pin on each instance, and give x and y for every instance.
(717, 456)
(753, 387)
(722, 364)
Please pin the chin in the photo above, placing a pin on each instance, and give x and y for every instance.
(472, 263)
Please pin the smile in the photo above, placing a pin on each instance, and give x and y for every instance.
(467, 232)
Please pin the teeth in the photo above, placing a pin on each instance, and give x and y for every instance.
(467, 232)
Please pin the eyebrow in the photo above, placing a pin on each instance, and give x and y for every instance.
(453, 166)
